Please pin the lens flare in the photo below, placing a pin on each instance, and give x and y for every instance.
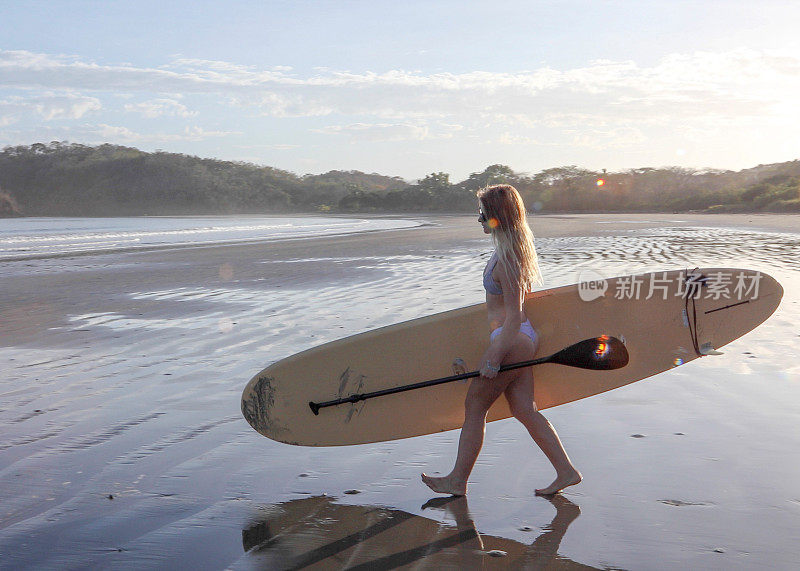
(226, 272)
(600, 182)
(678, 361)
(603, 348)
(226, 325)
(493, 223)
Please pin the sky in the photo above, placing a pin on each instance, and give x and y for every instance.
(410, 88)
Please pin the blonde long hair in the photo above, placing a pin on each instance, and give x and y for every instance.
(505, 213)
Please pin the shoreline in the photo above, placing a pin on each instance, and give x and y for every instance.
(169, 247)
(767, 222)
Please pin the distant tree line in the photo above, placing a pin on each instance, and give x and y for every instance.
(67, 179)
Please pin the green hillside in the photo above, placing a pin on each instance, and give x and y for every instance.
(68, 179)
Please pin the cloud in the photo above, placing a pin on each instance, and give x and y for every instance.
(117, 133)
(160, 108)
(507, 138)
(385, 132)
(737, 74)
(48, 106)
(271, 104)
(105, 133)
(123, 134)
(610, 104)
(378, 132)
(611, 138)
(66, 106)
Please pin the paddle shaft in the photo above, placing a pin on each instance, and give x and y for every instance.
(315, 406)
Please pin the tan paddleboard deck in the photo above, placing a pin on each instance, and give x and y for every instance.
(648, 312)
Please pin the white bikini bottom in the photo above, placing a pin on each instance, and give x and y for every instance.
(525, 328)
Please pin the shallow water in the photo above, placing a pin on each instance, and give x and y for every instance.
(123, 445)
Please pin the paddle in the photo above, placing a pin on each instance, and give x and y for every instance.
(597, 353)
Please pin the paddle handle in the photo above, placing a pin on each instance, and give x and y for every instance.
(315, 406)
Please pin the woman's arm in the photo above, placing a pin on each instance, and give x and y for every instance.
(513, 297)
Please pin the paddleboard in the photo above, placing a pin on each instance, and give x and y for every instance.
(664, 318)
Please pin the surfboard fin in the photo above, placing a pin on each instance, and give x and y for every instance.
(708, 349)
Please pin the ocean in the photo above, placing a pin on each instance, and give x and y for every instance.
(44, 237)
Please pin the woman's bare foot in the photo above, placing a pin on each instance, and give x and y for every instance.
(562, 481)
(445, 485)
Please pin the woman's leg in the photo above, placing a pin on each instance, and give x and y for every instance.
(519, 394)
(480, 396)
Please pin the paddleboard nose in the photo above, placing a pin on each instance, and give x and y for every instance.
(258, 398)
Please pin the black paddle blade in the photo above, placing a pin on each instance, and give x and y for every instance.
(599, 353)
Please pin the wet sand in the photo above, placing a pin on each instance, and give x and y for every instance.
(122, 444)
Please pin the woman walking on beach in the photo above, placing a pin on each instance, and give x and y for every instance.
(509, 274)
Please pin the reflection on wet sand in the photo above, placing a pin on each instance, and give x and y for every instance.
(318, 533)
